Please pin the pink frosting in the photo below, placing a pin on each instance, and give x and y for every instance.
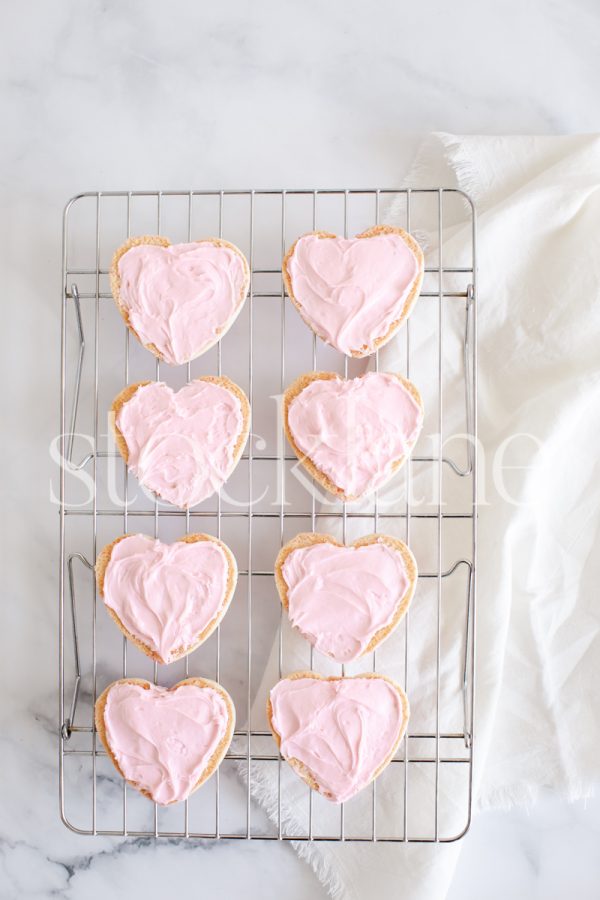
(183, 297)
(353, 431)
(342, 730)
(350, 290)
(181, 444)
(339, 597)
(163, 739)
(166, 594)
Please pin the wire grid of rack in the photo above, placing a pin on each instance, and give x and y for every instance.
(98, 357)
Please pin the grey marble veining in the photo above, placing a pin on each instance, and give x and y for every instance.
(133, 95)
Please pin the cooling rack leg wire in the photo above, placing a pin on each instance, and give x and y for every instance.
(67, 725)
(469, 395)
(465, 683)
(77, 305)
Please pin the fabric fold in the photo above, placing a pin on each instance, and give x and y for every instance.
(538, 629)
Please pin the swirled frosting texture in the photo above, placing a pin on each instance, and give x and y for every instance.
(163, 739)
(341, 730)
(351, 290)
(182, 297)
(181, 444)
(165, 595)
(354, 430)
(339, 597)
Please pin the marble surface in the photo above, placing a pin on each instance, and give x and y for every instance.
(113, 95)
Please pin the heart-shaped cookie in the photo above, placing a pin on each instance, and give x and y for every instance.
(352, 435)
(345, 600)
(165, 742)
(166, 598)
(354, 293)
(182, 445)
(179, 299)
(338, 734)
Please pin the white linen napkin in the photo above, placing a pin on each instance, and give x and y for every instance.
(538, 658)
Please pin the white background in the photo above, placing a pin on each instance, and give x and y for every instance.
(109, 95)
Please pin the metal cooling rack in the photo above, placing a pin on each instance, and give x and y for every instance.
(266, 348)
